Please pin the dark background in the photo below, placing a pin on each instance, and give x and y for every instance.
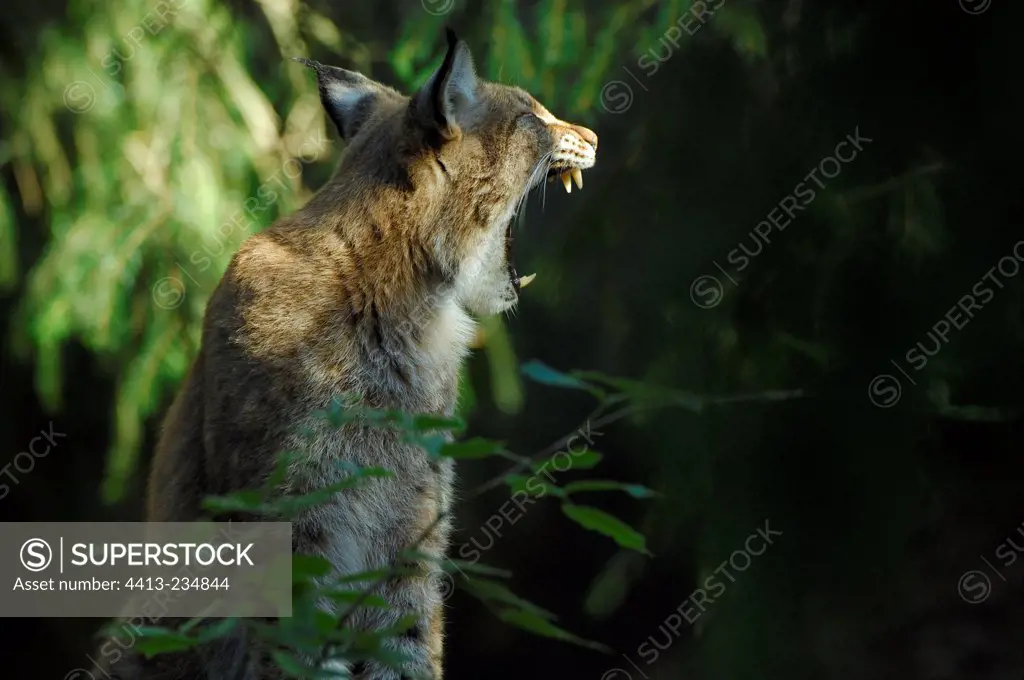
(882, 509)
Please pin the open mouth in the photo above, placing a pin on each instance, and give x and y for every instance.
(569, 171)
(568, 175)
(518, 282)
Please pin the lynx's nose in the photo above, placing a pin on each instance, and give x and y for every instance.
(575, 149)
(588, 135)
(581, 140)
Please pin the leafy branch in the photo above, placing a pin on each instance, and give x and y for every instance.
(303, 643)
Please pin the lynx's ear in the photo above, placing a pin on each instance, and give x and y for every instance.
(347, 96)
(447, 101)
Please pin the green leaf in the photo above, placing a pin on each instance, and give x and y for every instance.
(612, 584)
(153, 641)
(471, 449)
(506, 385)
(289, 506)
(8, 242)
(369, 472)
(305, 567)
(603, 523)
(280, 473)
(365, 576)
(636, 389)
(292, 505)
(533, 486)
(190, 624)
(545, 375)
(324, 622)
(424, 423)
(634, 490)
(291, 665)
(492, 592)
(744, 27)
(218, 630)
(369, 646)
(251, 500)
(584, 459)
(535, 624)
(355, 596)
(483, 569)
(467, 395)
(431, 443)
(116, 627)
(407, 622)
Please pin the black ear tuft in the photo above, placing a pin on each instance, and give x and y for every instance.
(453, 39)
(347, 96)
(448, 99)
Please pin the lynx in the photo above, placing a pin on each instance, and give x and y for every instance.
(370, 290)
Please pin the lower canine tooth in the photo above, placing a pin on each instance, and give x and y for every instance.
(526, 280)
(577, 175)
(566, 182)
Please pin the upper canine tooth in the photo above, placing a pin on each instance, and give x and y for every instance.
(524, 281)
(566, 182)
(577, 175)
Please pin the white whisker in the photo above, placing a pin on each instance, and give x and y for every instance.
(537, 175)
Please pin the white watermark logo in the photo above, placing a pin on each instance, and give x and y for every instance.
(693, 607)
(975, 6)
(36, 554)
(975, 585)
(707, 291)
(885, 389)
(617, 95)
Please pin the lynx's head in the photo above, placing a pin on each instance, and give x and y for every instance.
(444, 171)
